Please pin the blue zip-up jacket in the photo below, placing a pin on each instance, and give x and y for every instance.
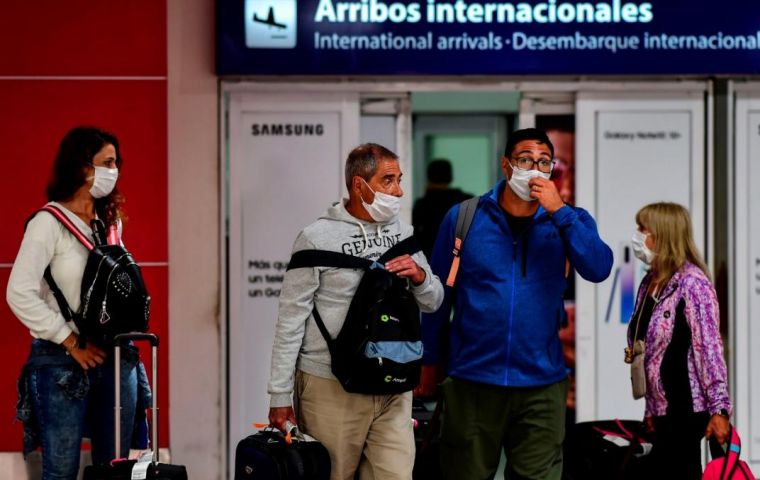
(508, 302)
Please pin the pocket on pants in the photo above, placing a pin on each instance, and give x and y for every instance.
(74, 382)
(303, 382)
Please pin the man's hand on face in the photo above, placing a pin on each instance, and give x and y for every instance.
(405, 267)
(545, 191)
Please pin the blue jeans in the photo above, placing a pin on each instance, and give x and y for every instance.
(68, 403)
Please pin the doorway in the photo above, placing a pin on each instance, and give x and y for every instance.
(472, 144)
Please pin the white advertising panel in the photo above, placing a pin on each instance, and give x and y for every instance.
(642, 157)
(286, 157)
(752, 268)
(631, 151)
(747, 274)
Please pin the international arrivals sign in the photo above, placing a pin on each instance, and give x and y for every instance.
(464, 37)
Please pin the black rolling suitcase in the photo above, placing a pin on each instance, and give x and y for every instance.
(608, 449)
(269, 455)
(149, 469)
(426, 440)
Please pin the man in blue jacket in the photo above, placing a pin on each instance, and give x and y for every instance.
(507, 381)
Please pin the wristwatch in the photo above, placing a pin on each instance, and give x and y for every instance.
(723, 413)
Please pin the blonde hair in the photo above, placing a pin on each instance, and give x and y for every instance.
(670, 225)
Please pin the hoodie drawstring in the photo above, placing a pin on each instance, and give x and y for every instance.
(364, 233)
(380, 234)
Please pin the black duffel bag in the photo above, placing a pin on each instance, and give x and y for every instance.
(271, 455)
(609, 449)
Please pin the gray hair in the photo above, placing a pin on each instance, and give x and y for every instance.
(362, 161)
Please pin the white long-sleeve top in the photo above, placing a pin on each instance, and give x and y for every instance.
(47, 242)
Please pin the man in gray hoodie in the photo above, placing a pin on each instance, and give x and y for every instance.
(371, 433)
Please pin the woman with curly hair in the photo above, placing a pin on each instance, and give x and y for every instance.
(66, 390)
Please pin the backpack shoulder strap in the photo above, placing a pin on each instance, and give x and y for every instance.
(322, 329)
(326, 258)
(464, 220)
(61, 217)
(66, 311)
(407, 246)
(58, 295)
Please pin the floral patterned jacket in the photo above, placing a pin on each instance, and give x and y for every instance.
(706, 365)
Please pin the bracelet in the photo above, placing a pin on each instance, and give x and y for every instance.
(723, 413)
(70, 347)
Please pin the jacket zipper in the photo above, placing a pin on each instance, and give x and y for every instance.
(511, 312)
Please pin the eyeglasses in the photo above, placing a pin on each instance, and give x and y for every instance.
(527, 163)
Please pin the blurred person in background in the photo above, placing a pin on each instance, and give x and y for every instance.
(429, 210)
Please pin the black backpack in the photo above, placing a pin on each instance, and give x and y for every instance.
(379, 348)
(113, 296)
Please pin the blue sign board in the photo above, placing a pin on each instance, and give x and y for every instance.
(468, 37)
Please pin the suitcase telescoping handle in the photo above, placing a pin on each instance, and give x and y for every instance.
(120, 340)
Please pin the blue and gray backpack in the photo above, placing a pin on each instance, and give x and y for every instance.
(379, 348)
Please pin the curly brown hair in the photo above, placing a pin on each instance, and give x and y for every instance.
(75, 154)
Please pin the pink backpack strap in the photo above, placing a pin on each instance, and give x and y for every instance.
(61, 217)
(612, 434)
(623, 433)
(630, 435)
(732, 454)
(113, 235)
(728, 462)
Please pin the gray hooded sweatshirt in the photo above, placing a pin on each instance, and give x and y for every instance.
(298, 342)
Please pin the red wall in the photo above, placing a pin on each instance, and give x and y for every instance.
(83, 62)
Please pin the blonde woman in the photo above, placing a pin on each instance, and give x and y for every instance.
(676, 317)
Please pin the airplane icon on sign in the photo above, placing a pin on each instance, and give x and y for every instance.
(271, 23)
(269, 20)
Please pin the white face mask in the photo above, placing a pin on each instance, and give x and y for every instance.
(103, 181)
(384, 207)
(519, 181)
(642, 252)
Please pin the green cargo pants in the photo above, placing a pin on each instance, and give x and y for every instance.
(479, 420)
